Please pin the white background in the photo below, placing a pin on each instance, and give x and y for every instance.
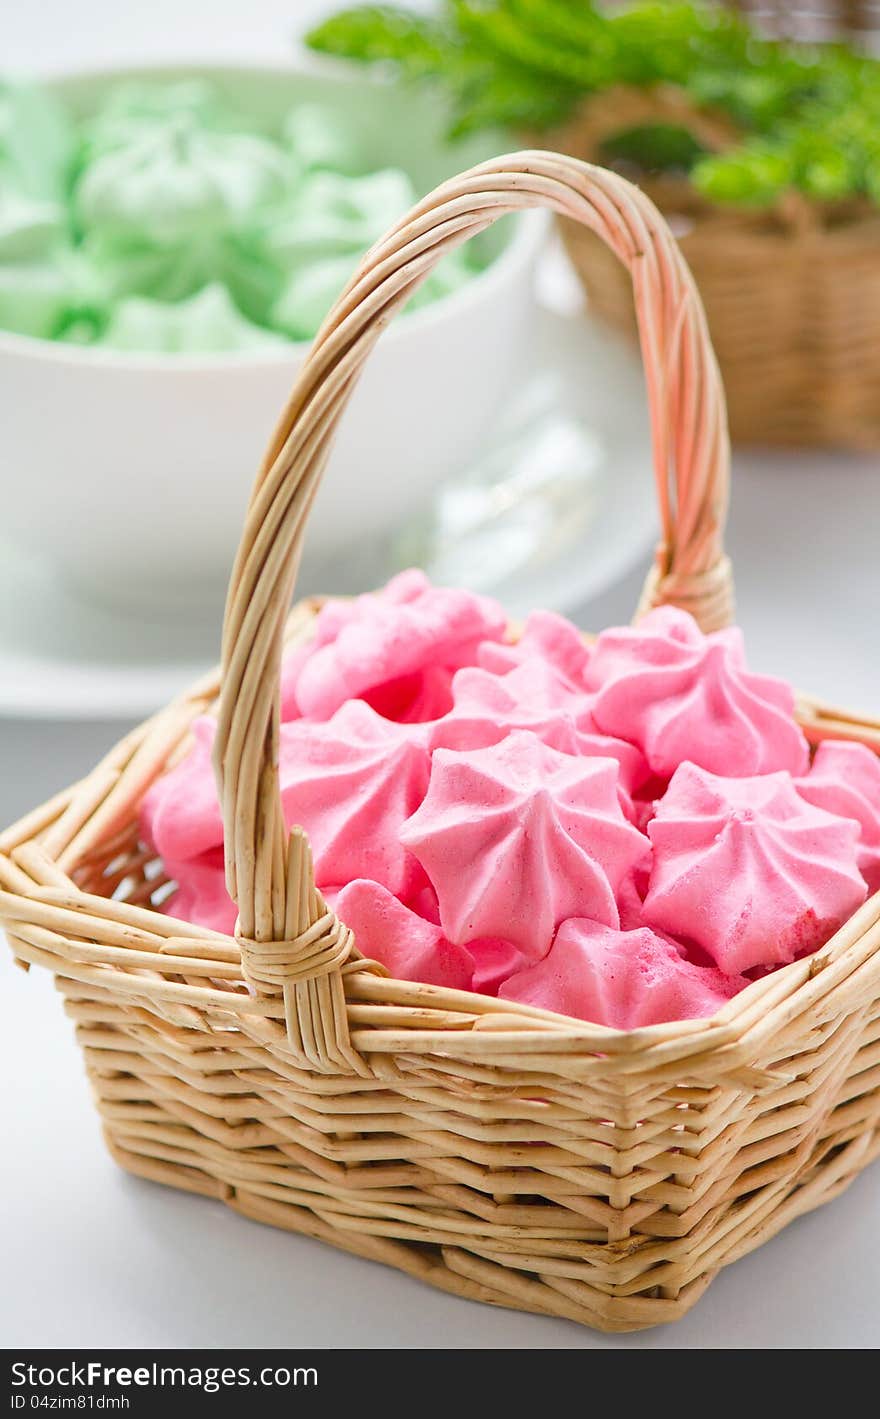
(93, 1257)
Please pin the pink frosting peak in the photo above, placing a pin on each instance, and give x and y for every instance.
(351, 783)
(623, 979)
(398, 647)
(410, 947)
(517, 836)
(548, 637)
(680, 695)
(748, 871)
(845, 779)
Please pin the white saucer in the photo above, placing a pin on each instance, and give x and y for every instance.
(61, 658)
(558, 509)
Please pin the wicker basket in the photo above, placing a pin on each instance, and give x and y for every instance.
(500, 1152)
(792, 294)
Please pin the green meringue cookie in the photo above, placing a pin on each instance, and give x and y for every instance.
(79, 330)
(330, 215)
(309, 293)
(134, 108)
(176, 182)
(319, 139)
(177, 270)
(33, 296)
(38, 297)
(168, 222)
(207, 323)
(30, 227)
(36, 141)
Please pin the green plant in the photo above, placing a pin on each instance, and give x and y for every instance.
(808, 117)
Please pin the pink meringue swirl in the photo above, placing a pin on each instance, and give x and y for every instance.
(534, 696)
(351, 783)
(547, 636)
(680, 695)
(410, 947)
(747, 871)
(517, 836)
(486, 707)
(845, 779)
(398, 648)
(623, 979)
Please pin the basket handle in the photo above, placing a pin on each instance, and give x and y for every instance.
(290, 941)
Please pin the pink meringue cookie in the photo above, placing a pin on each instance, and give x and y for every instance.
(547, 636)
(331, 618)
(486, 707)
(407, 939)
(180, 814)
(680, 695)
(534, 686)
(351, 783)
(623, 979)
(425, 695)
(747, 871)
(201, 898)
(845, 779)
(517, 836)
(407, 945)
(403, 636)
(532, 696)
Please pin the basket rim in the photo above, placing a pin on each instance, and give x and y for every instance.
(728, 1037)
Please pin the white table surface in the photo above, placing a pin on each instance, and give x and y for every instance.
(93, 1257)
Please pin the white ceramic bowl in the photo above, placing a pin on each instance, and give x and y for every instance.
(129, 474)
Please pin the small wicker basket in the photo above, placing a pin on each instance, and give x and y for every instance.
(500, 1152)
(792, 293)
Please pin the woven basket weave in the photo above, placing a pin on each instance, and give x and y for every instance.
(500, 1152)
(792, 293)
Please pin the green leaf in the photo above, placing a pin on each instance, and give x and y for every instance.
(372, 33)
(560, 22)
(750, 177)
(498, 30)
(504, 103)
(829, 177)
(810, 114)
